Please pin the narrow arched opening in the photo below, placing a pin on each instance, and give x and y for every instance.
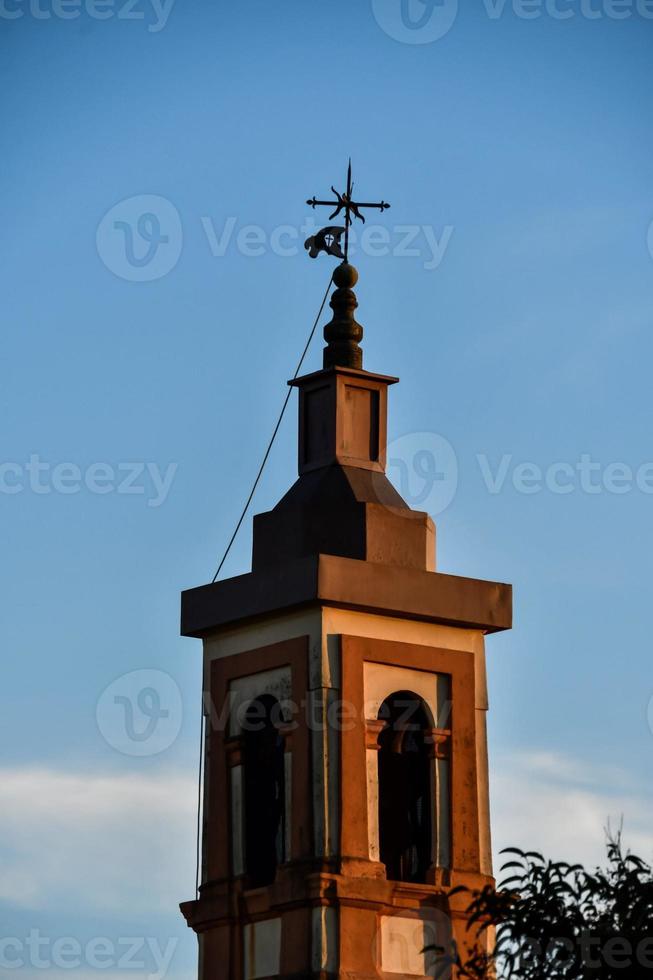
(405, 788)
(264, 790)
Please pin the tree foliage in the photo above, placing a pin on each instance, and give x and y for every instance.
(558, 921)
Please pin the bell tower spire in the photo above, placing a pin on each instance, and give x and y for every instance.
(343, 334)
(345, 759)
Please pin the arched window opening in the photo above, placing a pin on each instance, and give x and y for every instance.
(405, 804)
(264, 790)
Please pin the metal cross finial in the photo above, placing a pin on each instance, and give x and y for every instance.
(346, 203)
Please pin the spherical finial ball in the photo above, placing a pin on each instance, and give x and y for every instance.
(345, 276)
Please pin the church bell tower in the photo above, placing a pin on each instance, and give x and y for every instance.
(345, 766)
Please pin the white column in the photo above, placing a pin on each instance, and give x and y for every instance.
(324, 940)
(373, 804)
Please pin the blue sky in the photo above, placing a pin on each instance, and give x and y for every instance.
(515, 149)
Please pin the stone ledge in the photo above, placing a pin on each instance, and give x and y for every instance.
(348, 583)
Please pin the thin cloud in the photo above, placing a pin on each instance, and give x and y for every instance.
(125, 844)
(102, 843)
(561, 806)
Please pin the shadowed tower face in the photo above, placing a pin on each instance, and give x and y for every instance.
(345, 777)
